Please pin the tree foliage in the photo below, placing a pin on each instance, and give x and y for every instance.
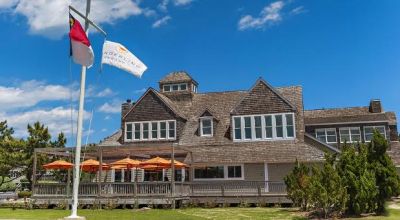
(387, 180)
(298, 185)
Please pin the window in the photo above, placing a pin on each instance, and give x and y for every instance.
(145, 131)
(268, 126)
(167, 88)
(327, 135)
(153, 130)
(219, 172)
(258, 127)
(350, 135)
(206, 126)
(129, 131)
(238, 128)
(234, 171)
(171, 129)
(289, 125)
(369, 132)
(264, 127)
(137, 131)
(216, 172)
(279, 126)
(163, 130)
(247, 128)
(194, 88)
(175, 87)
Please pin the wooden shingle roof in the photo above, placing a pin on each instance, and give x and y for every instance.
(177, 77)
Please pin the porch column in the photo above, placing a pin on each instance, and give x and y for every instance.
(266, 177)
(34, 171)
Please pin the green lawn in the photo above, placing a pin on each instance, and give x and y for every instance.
(179, 214)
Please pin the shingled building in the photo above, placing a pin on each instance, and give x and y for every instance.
(252, 135)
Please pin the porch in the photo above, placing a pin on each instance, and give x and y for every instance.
(162, 193)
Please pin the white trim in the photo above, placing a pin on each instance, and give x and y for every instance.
(374, 128)
(266, 177)
(263, 128)
(344, 123)
(349, 129)
(201, 126)
(325, 130)
(149, 138)
(175, 84)
(225, 172)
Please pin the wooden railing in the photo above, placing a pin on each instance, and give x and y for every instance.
(163, 189)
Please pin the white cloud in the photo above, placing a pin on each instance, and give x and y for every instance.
(182, 2)
(30, 93)
(162, 21)
(163, 6)
(104, 130)
(270, 14)
(107, 117)
(57, 120)
(105, 93)
(114, 107)
(139, 91)
(298, 10)
(50, 17)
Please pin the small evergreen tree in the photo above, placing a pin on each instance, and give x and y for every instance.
(387, 180)
(298, 185)
(359, 180)
(328, 193)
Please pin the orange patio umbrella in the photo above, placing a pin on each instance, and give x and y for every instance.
(178, 164)
(58, 165)
(157, 161)
(93, 166)
(151, 168)
(126, 163)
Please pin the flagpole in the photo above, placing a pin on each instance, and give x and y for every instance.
(74, 212)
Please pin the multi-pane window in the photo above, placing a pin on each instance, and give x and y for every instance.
(129, 131)
(154, 130)
(145, 131)
(137, 131)
(264, 127)
(206, 126)
(369, 131)
(219, 172)
(234, 171)
(175, 87)
(352, 134)
(247, 128)
(258, 127)
(238, 128)
(171, 129)
(268, 126)
(327, 135)
(163, 130)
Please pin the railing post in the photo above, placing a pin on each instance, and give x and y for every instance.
(259, 190)
(222, 190)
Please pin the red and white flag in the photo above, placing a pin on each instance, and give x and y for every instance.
(81, 51)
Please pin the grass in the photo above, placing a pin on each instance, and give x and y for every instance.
(179, 214)
(182, 214)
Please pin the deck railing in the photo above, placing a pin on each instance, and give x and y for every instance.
(157, 189)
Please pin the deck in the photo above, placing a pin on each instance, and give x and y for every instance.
(162, 192)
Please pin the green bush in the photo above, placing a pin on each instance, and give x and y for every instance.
(24, 194)
(7, 186)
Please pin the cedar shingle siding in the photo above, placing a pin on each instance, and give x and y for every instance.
(186, 107)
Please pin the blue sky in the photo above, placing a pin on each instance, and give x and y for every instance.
(343, 53)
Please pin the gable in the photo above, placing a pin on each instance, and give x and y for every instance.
(150, 107)
(263, 99)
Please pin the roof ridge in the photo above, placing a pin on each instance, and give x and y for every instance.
(336, 108)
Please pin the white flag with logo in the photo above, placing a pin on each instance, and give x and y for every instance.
(117, 55)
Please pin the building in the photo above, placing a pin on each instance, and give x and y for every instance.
(236, 143)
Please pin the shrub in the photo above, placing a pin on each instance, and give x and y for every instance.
(24, 194)
(298, 185)
(7, 186)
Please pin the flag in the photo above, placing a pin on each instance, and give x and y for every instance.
(117, 55)
(80, 49)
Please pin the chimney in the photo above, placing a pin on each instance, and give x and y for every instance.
(375, 106)
(125, 107)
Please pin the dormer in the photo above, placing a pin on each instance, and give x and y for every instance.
(178, 84)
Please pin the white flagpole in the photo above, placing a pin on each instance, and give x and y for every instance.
(74, 212)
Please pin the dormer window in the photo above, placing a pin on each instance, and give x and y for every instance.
(206, 126)
(150, 131)
(175, 87)
(264, 127)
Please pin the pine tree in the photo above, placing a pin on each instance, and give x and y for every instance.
(298, 185)
(387, 180)
(358, 179)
